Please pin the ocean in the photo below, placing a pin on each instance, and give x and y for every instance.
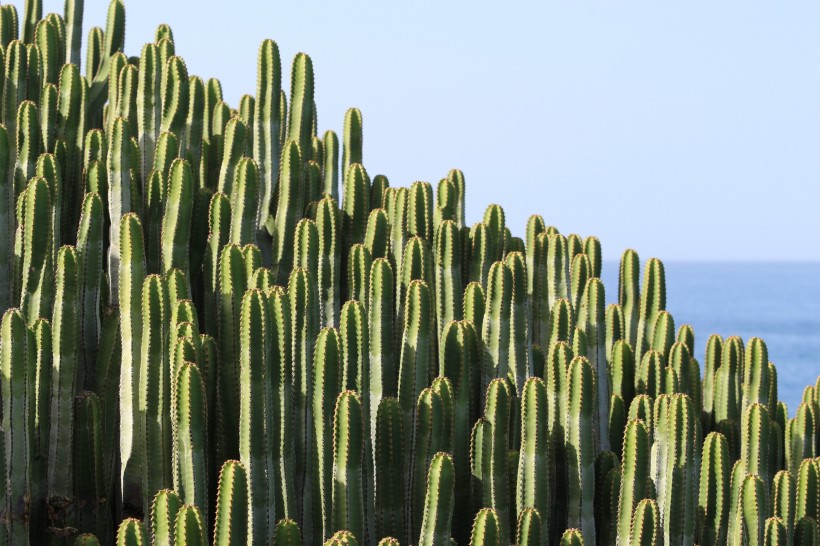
(778, 302)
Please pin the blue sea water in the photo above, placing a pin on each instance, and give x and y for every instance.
(778, 302)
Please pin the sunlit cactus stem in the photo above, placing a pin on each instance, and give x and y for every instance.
(348, 510)
(66, 329)
(635, 476)
(438, 502)
(17, 365)
(191, 441)
(131, 268)
(256, 436)
(580, 448)
(231, 527)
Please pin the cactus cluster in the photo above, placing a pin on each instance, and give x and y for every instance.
(218, 328)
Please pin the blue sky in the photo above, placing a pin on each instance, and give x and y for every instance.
(688, 131)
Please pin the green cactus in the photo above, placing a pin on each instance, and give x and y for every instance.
(324, 389)
(756, 387)
(428, 437)
(714, 351)
(131, 277)
(572, 537)
(496, 329)
(90, 254)
(289, 209)
(677, 439)
(808, 485)
(132, 532)
(448, 276)
(635, 476)
(287, 533)
(63, 382)
(579, 431)
(712, 519)
(486, 529)
(438, 502)
(754, 510)
(342, 538)
(646, 525)
(755, 442)
(495, 481)
(806, 532)
(302, 104)
(329, 224)
(88, 477)
(534, 489)
(17, 378)
(256, 438)
(783, 500)
(652, 302)
(190, 437)
(580, 273)
(348, 442)
(164, 509)
(231, 528)
(801, 437)
(416, 364)
(189, 529)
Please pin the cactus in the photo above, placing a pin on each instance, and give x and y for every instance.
(676, 441)
(289, 207)
(154, 387)
(496, 329)
(131, 277)
(17, 364)
(493, 453)
(646, 525)
(652, 302)
(348, 443)
(712, 519)
(438, 502)
(448, 276)
(190, 437)
(287, 533)
(635, 476)
(256, 436)
(389, 456)
(754, 510)
(580, 446)
(416, 365)
(132, 532)
(164, 509)
(535, 463)
(231, 505)
(486, 529)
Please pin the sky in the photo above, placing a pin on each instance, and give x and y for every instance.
(688, 131)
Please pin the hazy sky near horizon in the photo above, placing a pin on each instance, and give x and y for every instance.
(688, 131)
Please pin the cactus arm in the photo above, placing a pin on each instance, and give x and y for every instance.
(256, 436)
(348, 443)
(131, 278)
(231, 528)
(438, 502)
(15, 362)
(63, 380)
(534, 488)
